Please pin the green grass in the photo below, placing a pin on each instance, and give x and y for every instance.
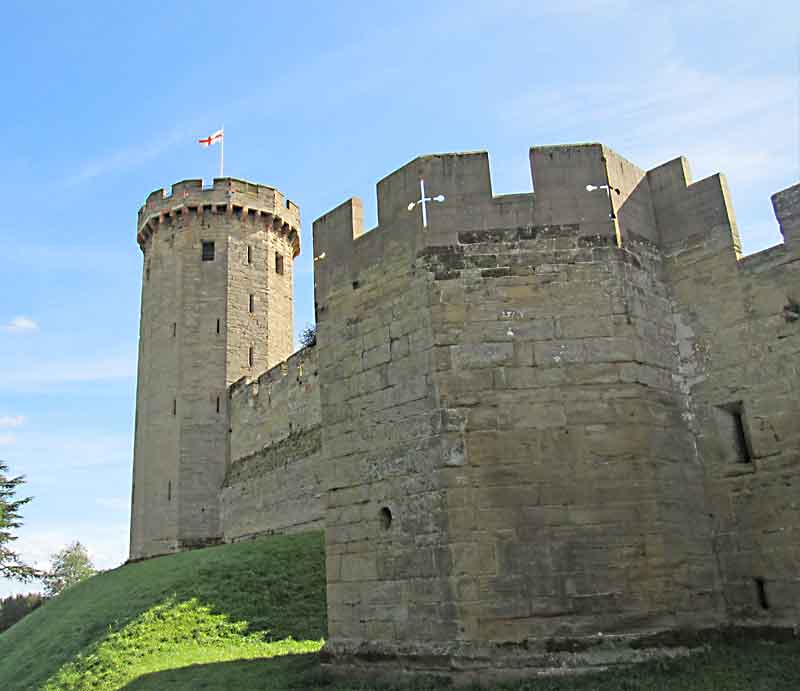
(251, 617)
(252, 600)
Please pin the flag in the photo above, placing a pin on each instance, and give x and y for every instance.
(211, 139)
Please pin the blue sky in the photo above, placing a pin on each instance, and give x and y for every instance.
(104, 101)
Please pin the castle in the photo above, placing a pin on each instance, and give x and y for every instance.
(536, 428)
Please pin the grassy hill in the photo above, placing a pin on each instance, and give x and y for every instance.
(251, 617)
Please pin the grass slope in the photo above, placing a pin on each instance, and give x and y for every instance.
(249, 600)
(251, 617)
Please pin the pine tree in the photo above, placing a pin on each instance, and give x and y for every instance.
(10, 519)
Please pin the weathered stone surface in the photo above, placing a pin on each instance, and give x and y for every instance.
(536, 432)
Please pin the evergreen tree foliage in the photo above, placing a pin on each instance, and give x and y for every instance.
(10, 519)
(15, 607)
(69, 566)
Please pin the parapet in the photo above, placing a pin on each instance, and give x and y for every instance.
(686, 210)
(787, 210)
(253, 202)
(560, 177)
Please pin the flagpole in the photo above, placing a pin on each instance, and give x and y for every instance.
(222, 154)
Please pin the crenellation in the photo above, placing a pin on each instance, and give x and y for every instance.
(786, 204)
(543, 416)
(227, 195)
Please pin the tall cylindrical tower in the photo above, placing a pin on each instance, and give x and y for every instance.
(216, 305)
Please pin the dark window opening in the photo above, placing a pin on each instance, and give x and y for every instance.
(761, 593)
(147, 271)
(386, 518)
(249, 254)
(217, 403)
(278, 263)
(174, 406)
(250, 356)
(735, 441)
(174, 329)
(208, 251)
(169, 491)
(252, 303)
(356, 285)
(237, 210)
(217, 325)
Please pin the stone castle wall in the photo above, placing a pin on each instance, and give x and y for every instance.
(544, 416)
(277, 478)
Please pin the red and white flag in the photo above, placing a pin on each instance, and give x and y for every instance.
(212, 139)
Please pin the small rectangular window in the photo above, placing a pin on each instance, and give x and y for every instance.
(249, 254)
(169, 491)
(278, 263)
(208, 251)
(174, 329)
(147, 271)
(217, 403)
(217, 325)
(174, 406)
(250, 356)
(735, 442)
(252, 303)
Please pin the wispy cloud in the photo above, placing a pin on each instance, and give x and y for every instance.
(7, 439)
(107, 545)
(128, 157)
(60, 374)
(20, 325)
(11, 420)
(679, 109)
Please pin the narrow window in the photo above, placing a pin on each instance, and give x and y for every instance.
(147, 271)
(217, 325)
(174, 329)
(252, 303)
(208, 251)
(217, 403)
(249, 254)
(761, 593)
(250, 356)
(386, 517)
(169, 491)
(174, 406)
(734, 439)
(278, 263)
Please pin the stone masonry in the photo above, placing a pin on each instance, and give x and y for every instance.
(536, 432)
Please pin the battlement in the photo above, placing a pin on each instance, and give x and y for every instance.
(560, 176)
(786, 204)
(300, 366)
(252, 202)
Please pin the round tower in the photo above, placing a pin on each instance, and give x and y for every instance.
(216, 306)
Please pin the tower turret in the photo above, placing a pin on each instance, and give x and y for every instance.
(216, 306)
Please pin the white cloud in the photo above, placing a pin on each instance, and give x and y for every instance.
(7, 439)
(11, 420)
(129, 157)
(106, 543)
(20, 324)
(60, 374)
(734, 123)
(84, 450)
